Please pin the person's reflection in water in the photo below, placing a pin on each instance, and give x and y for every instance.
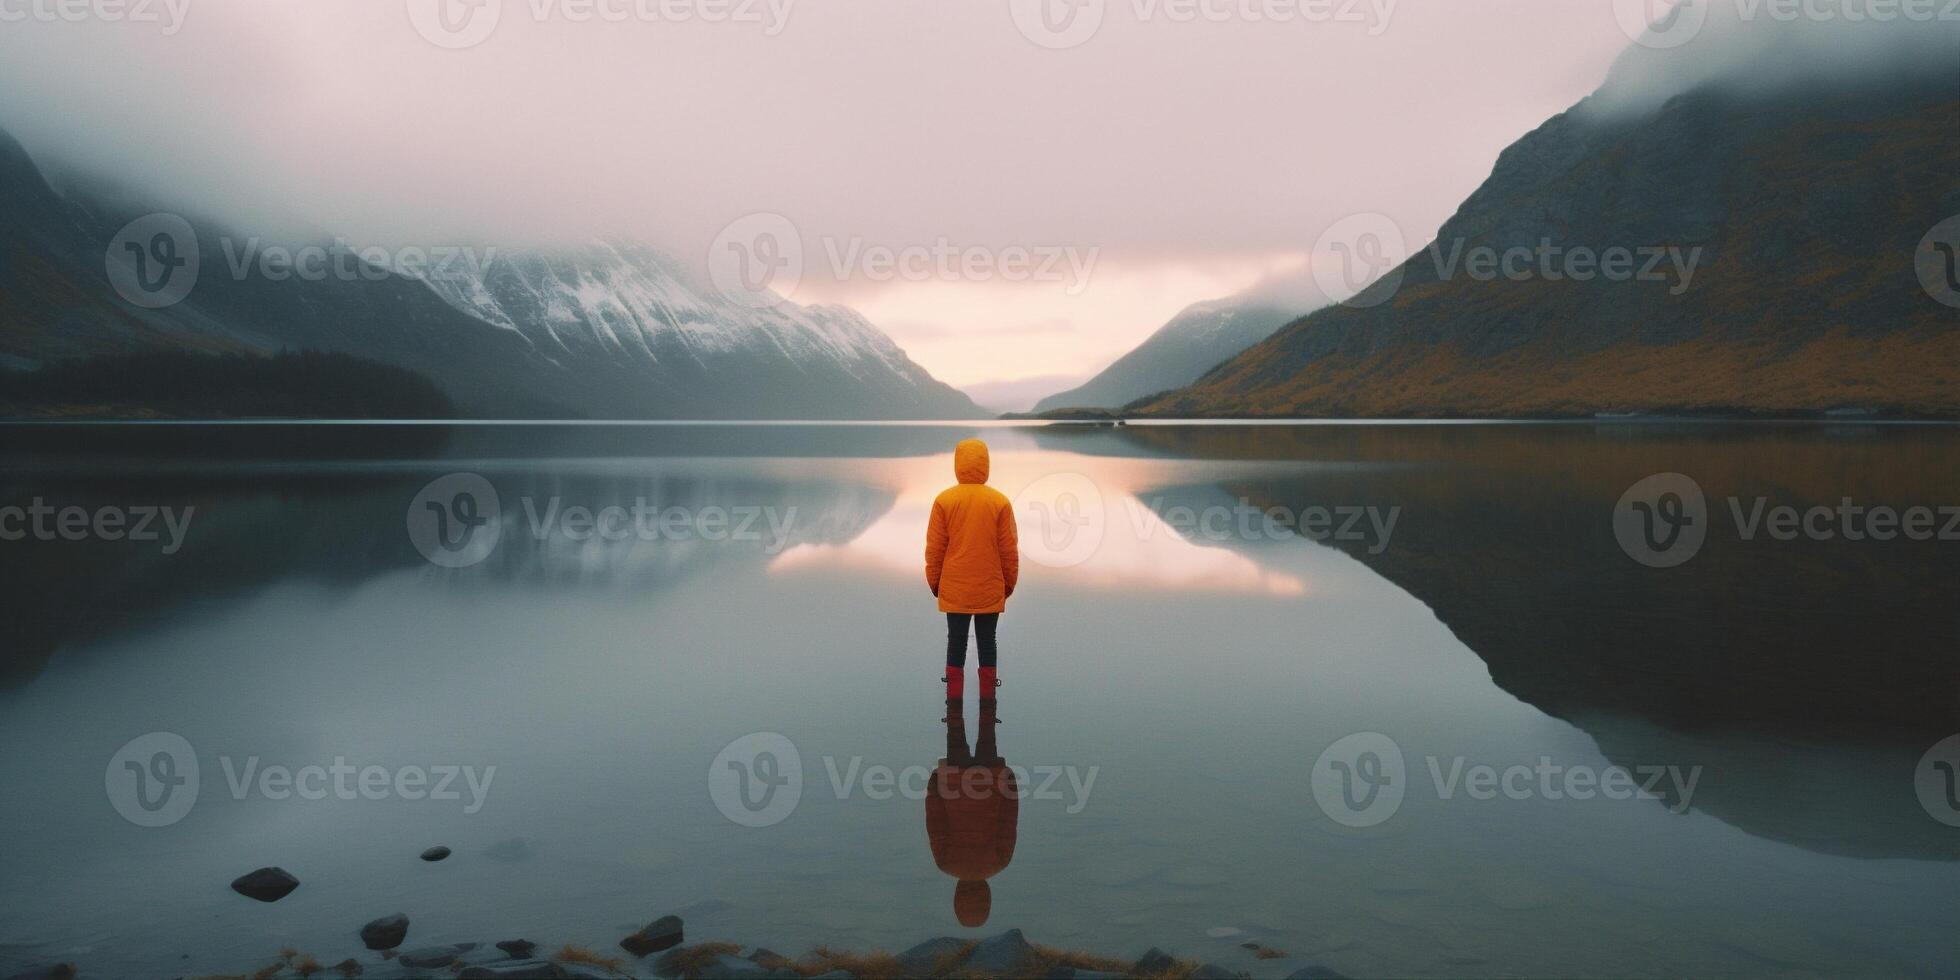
(973, 809)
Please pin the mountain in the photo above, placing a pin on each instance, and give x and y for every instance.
(631, 316)
(54, 300)
(180, 384)
(1019, 394)
(1194, 341)
(607, 330)
(1808, 204)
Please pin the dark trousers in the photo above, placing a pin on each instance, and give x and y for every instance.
(983, 626)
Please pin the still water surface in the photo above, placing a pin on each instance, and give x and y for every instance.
(1173, 672)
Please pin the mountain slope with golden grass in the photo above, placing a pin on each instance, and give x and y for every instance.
(1804, 213)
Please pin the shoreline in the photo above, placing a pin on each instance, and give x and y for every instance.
(658, 952)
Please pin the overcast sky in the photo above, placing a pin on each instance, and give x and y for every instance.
(1157, 159)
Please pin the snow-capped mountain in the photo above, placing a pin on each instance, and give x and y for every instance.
(602, 331)
(628, 306)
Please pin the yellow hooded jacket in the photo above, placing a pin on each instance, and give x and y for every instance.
(973, 552)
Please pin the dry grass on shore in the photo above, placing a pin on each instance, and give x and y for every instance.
(586, 957)
(1048, 957)
(865, 966)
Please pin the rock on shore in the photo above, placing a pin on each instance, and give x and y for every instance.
(266, 884)
(387, 932)
(660, 934)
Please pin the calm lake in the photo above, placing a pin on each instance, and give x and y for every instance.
(1414, 700)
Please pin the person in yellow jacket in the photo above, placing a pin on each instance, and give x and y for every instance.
(973, 559)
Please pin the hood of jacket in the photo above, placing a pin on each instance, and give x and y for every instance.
(970, 462)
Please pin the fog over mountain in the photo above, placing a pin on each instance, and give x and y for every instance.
(1755, 46)
(603, 330)
(1021, 394)
(882, 121)
(887, 121)
(1199, 338)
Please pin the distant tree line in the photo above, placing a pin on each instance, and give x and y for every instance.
(183, 384)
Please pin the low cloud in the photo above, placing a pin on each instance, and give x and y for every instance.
(921, 330)
(1761, 46)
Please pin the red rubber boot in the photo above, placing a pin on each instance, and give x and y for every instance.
(955, 684)
(988, 681)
